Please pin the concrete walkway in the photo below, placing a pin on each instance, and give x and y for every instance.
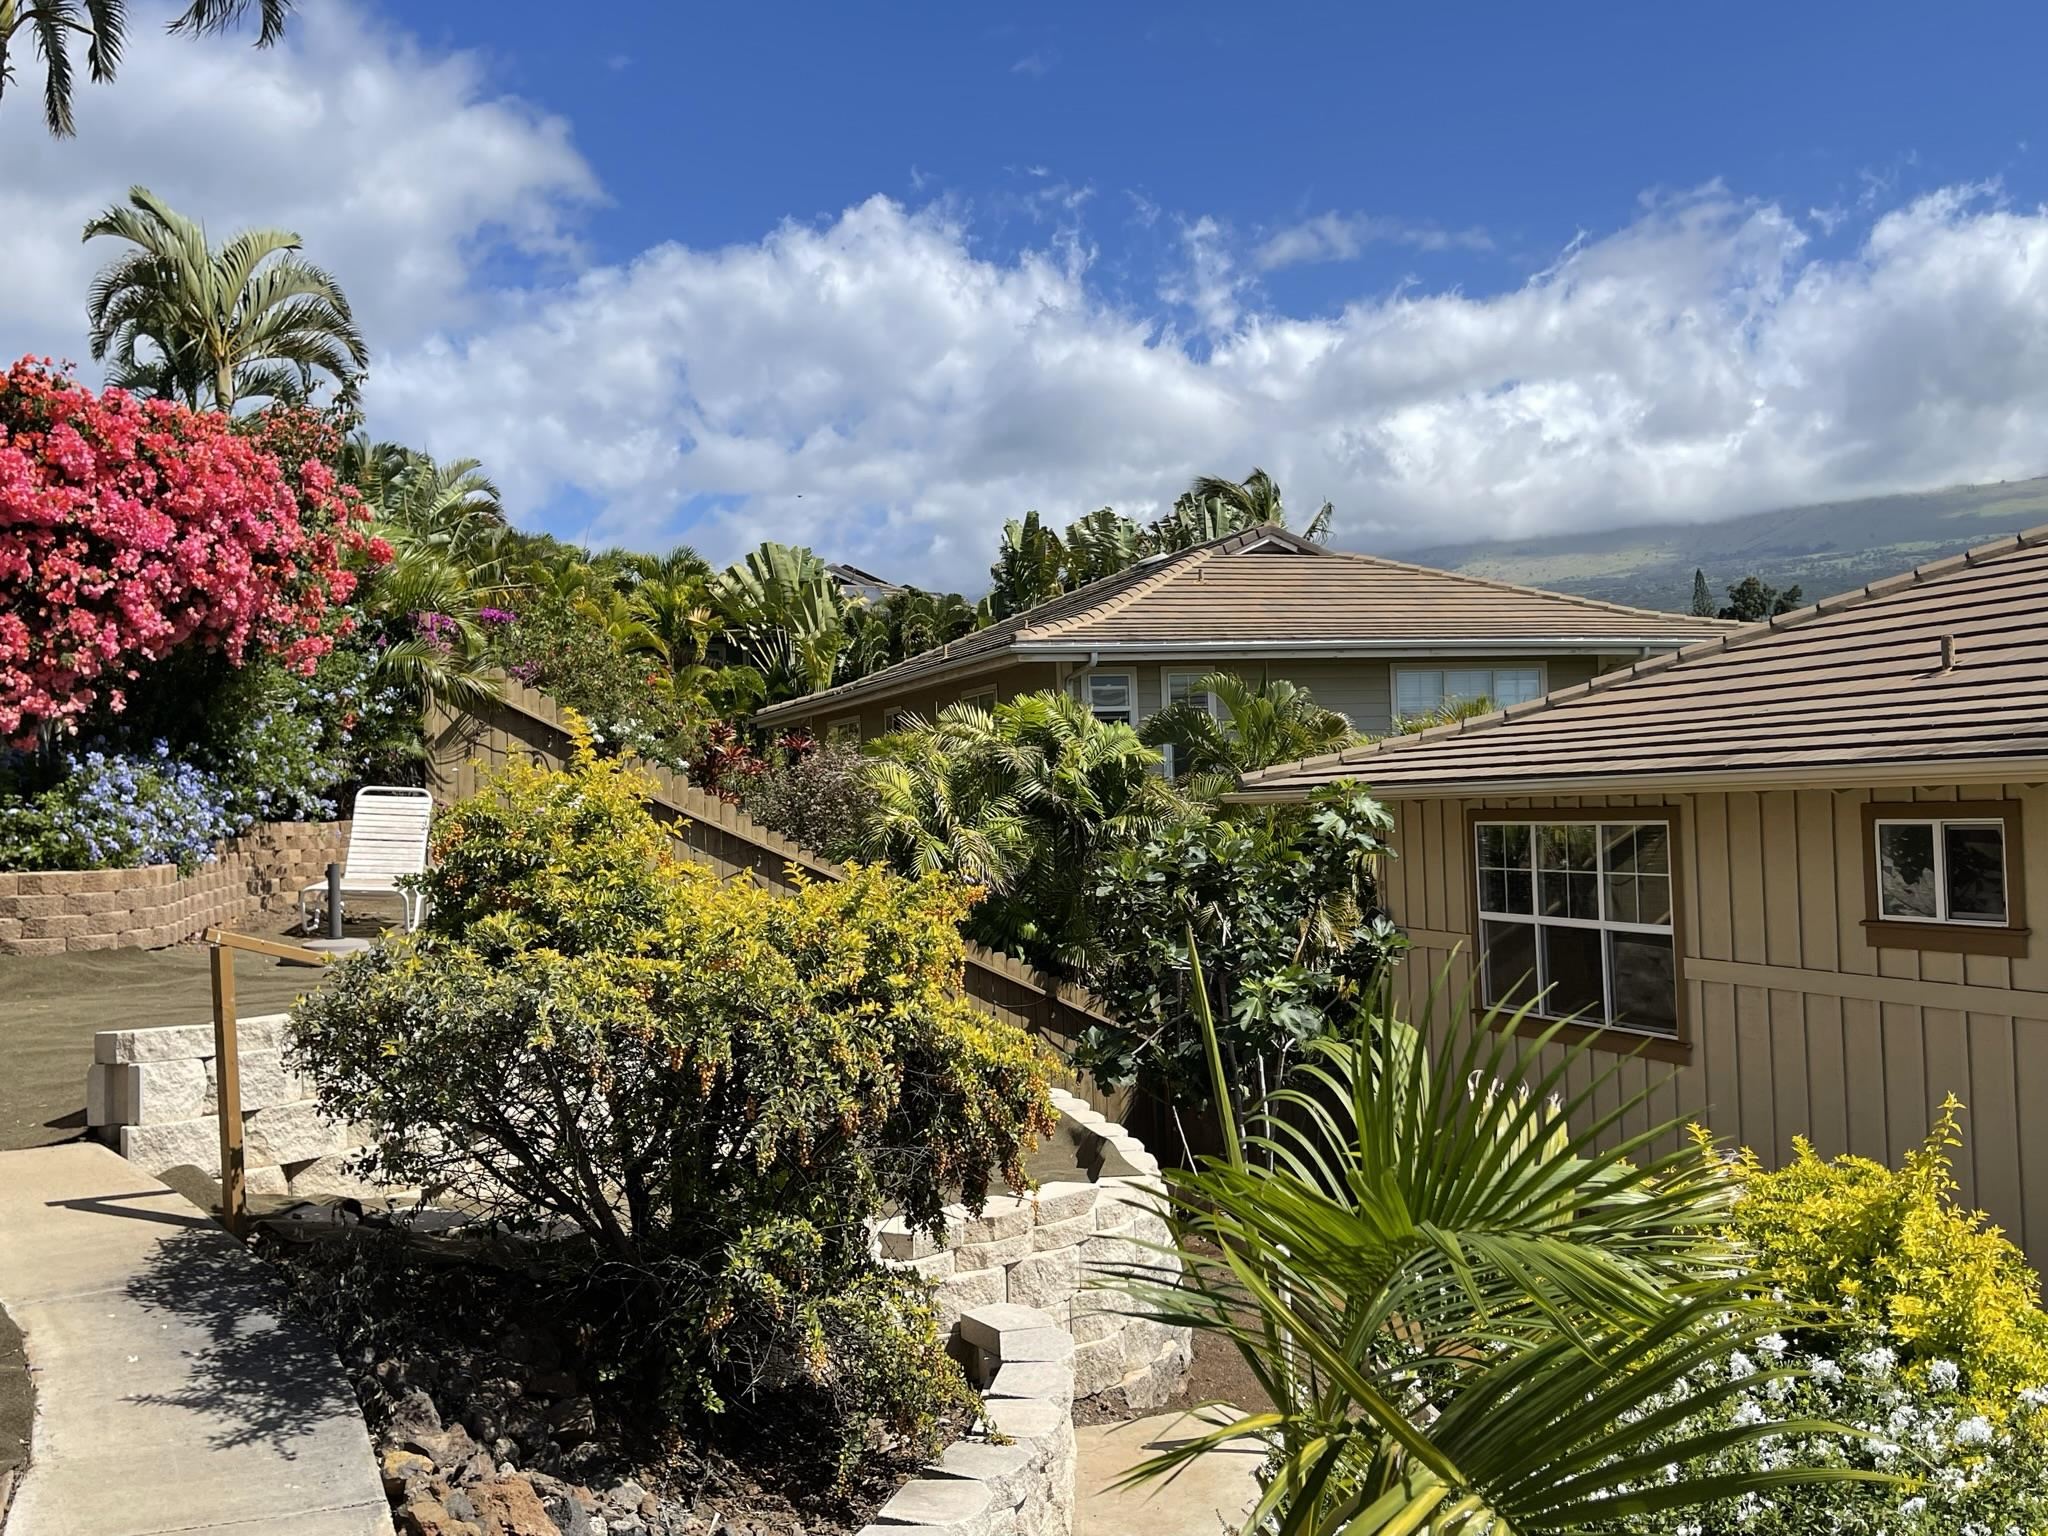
(1209, 1498)
(170, 1395)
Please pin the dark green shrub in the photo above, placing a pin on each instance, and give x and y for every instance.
(716, 1086)
(820, 798)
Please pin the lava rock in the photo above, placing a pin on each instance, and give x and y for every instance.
(413, 1416)
(398, 1468)
(508, 1506)
(430, 1517)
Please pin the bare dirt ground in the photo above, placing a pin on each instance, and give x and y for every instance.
(55, 1003)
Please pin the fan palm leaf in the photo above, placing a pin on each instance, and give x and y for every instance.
(1475, 1302)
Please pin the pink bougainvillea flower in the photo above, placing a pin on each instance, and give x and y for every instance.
(130, 528)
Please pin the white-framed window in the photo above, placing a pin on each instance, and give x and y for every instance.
(1175, 686)
(1578, 915)
(1938, 869)
(843, 732)
(1112, 697)
(986, 699)
(1420, 691)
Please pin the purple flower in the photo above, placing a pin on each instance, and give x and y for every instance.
(495, 616)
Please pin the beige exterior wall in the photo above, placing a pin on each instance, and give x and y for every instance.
(1359, 689)
(1797, 1025)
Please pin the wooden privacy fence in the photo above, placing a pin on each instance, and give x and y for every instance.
(465, 744)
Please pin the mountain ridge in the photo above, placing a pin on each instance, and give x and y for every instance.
(1823, 547)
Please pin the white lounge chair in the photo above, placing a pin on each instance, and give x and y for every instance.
(388, 838)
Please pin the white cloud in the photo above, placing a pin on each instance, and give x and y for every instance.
(890, 387)
(1344, 236)
(1699, 362)
(402, 168)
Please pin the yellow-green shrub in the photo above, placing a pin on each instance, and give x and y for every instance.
(1891, 1253)
(716, 1085)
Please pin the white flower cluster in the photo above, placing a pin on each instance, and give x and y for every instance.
(1963, 1472)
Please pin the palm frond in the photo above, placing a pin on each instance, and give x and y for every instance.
(1471, 1312)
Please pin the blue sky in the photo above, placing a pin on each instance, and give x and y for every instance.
(880, 277)
(1522, 126)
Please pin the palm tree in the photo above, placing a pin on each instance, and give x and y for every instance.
(784, 613)
(53, 25)
(453, 508)
(1471, 1316)
(1101, 544)
(1212, 507)
(251, 320)
(1021, 799)
(1245, 728)
(1028, 568)
(921, 621)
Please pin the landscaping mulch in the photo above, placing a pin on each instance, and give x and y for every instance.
(486, 1411)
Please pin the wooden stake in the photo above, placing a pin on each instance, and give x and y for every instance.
(227, 1066)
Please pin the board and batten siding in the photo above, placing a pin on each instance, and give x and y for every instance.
(1797, 1024)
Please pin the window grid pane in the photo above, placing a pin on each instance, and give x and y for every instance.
(1973, 860)
(1109, 698)
(1417, 692)
(1516, 685)
(1584, 909)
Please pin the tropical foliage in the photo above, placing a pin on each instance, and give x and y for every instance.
(1019, 800)
(1464, 1295)
(1035, 563)
(1915, 1323)
(1893, 1249)
(252, 320)
(713, 1084)
(52, 27)
(1284, 909)
(819, 796)
(1227, 726)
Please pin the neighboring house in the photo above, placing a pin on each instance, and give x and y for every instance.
(1370, 638)
(866, 586)
(1796, 863)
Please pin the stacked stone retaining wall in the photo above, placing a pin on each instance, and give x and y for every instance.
(1023, 1361)
(1052, 1250)
(262, 871)
(150, 1095)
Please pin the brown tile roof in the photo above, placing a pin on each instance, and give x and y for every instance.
(1853, 689)
(1289, 596)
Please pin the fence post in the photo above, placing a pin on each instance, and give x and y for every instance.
(227, 1069)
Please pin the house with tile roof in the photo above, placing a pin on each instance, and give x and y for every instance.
(1789, 867)
(1371, 638)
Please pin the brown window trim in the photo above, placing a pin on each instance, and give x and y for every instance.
(2009, 940)
(1675, 1047)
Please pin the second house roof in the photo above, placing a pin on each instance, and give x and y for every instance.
(1267, 591)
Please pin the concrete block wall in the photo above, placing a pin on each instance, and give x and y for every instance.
(150, 1095)
(1053, 1249)
(262, 871)
(1023, 1362)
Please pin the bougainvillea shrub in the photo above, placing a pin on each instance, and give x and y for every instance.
(131, 528)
